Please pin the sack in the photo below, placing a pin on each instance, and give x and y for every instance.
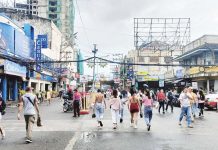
(39, 122)
(93, 115)
(134, 107)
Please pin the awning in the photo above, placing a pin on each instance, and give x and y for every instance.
(177, 81)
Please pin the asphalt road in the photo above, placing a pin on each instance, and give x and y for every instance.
(61, 131)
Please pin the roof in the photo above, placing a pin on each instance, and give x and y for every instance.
(197, 50)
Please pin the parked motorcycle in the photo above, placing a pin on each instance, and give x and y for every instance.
(68, 104)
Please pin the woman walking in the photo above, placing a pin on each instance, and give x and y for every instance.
(148, 104)
(134, 107)
(115, 106)
(76, 103)
(201, 103)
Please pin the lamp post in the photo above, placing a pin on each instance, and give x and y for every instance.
(94, 52)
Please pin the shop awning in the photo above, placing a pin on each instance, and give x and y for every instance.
(177, 81)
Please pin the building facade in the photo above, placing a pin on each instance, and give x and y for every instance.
(202, 52)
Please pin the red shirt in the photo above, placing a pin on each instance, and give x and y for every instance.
(161, 96)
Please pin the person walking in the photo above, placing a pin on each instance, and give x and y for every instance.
(161, 99)
(195, 102)
(124, 99)
(76, 103)
(134, 107)
(115, 106)
(99, 107)
(29, 103)
(201, 103)
(170, 98)
(2, 112)
(185, 107)
(148, 104)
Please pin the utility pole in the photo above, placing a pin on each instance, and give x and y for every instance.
(94, 52)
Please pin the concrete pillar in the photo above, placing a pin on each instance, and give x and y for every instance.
(216, 86)
(4, 88)
(43, 87)
(24, 85)
(15, 91)
(37, 87)
(208, 86)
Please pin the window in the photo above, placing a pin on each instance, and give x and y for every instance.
(154, 59)
(53, 16)
(216, 58)
(141, 59)
(53, 9)
(52, 3)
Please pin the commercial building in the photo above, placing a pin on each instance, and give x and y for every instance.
(150, 74)
(15, 46)
(202, 51)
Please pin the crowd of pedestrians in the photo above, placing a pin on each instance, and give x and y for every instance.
(141, 103)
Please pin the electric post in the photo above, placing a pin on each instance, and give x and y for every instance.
(94, 51)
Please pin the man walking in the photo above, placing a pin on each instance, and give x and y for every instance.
(170, 98)
(161, 99)
(29, 103)
(185, 107)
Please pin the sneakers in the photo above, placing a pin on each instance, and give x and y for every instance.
(180, 123)
(131, 124)
(121, 120)
(28, 141)
(101, 124)
(135, 127)
(190, 126)
(149, 127)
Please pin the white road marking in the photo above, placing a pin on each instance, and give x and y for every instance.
(73, 141)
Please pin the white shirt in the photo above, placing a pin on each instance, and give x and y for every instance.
(29, 109)
(184, 100)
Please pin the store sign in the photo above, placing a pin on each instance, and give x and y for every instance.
(195, 85)
(44, 40)
(161, 83)
(142, 73)
(14, 69)
(179, 73)
(83, 78)
(38, 54)
(194, 70)
(211, 69)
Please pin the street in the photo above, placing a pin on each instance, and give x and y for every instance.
(61, 131)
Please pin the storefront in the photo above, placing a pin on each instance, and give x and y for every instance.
(13, 79)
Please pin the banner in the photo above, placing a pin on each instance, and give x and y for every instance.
(38, 54)
(44, 40)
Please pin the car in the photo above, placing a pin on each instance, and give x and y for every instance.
(211, 101)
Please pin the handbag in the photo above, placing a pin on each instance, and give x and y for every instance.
(39, 122)
(93, 115)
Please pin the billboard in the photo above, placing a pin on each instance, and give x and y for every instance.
(14, 69)
(6, 38)
(23, 44)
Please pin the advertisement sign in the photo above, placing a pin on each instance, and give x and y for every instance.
(44, 40)
(23, 44)
(83, 78)
(7, 38)
(161, 83)
(179, 73)
(38, 54)
(142, 73)
(14, 69)
(195, 85)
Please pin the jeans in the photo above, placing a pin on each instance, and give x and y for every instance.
(99, 111)
(161, 104)
(29, 119)
(121, 113)
(76, 107)
(148, 115)
(170, 102)
(115, 115)
(187, 111)
(194, 108)
(201, 107)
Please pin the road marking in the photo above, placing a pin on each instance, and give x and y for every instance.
(73, 141)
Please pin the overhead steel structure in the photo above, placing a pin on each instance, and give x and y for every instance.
(161, 33)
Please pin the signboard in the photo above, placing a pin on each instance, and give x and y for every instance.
(83, 78)
(161, 83)
(195, 85)
(6, 38)
(38, 54)
(44, 40)
(179, 73)
(14, 69)
(142, 73)
(168, 59)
